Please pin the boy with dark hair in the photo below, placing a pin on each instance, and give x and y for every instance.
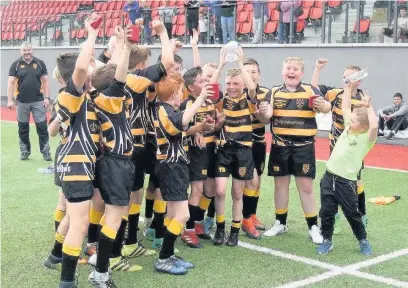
(334, 96)
(138, 81)
(200, 153)
(172, 169)
(234, 155)
(76, 159)
(338, 185)
(251, 223)
(115, 169)
(394, 116)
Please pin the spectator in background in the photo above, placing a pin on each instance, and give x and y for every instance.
(260, 10)
(192, 11)
(216, 11)
(227, 21)
(206, 25)
(286, 6)
(133, 9)
(166, 16)
(147, 18)
(395, 117)
(28, 81)
(402, 28)
(105, 56)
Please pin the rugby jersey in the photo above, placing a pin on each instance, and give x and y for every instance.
(169, 133)
(334, 96)
(76, 159)
(293, 122)
(110, 107)
(258, 128)
(63, 133)
(136, 88)
(208, 108)
(237, 127)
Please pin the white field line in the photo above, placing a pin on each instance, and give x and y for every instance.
(313, 279)
(335, 270)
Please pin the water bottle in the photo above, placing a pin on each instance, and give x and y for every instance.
(231, 51)
(360, 75)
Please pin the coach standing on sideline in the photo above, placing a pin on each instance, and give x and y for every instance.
(29, 73)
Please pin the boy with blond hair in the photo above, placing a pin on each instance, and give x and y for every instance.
(294, 128)
(338, 185)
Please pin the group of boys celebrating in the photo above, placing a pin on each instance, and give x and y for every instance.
(127, 119)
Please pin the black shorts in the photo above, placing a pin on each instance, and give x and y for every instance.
(202, 163)
(298, 161)
(332, 143)
(235, 160)
(174, 180)
(259, 155)
(114, 174)
(151, 151)
(139, 160)
(57, 179)
(77, 191)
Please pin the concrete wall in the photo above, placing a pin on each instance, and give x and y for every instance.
(387, 65)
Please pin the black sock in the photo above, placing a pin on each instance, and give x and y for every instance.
(311, 221)
(132, 229)
(57, 250)
(153, 224)
(282, 218)
(173, 230)
(255, 204)
(193, 212)
(93, 233)
(235, 226)
(105, 243)
(211, 209)
(361, 203)
(118, 244)
(149, 208)
(159, 226)
(247, 206)
(70, 257)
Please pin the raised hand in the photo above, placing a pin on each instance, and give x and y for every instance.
(321, 62)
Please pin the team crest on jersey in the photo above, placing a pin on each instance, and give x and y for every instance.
(22, 66)
(204, 172)
(279, 104)
(306, 168)
(299, 103)
(242, 171)
(93, 127)
(230, 105)
(35, 66)
(242, 104)
(276, 168)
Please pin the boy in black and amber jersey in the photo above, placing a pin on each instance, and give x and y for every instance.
(138, 81)
(172, 169)
(234, 154)
(201, 154)
(115, 169)
(76, 158)
(252, 189)
(293, 128)
(334, 96)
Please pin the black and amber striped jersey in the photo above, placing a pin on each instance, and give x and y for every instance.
(169, 133)
(258, 128)
(62, 133)
(208, 108)
(293, 122)
(137, 88)
(111, 110)
(76, 159)
(334, 96)
(237, 127)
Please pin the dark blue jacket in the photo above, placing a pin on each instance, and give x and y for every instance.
(133, 10)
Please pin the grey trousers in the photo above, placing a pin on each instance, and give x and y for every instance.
(40, 119)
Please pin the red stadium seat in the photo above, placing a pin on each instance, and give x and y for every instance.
(181, 29)
(237, 27)
(155, 12)
(316, 13)
(22, 36)
(174, 21)
(305, 15)
(180, 3)
(240, 6)
(82, 34)
(364, 26)
(249, 7)
(334, 3)
(174, 29)
(272, 5)
(116, 22)
(275, 15)
(155, 4)
(171, 3)
(308, 3)
(57, 35)
(300, 27)
(243, 16)
(319, 3)
(271, 27)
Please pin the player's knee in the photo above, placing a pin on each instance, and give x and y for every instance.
(236, 195)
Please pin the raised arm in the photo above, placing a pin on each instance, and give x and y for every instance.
(167, 57)
(320, 63)
(372, 118)
(194, 46)
(85, 56)
(249, 84)
(192, 110)
(121, 70)
(346, 102)
(216, 76)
